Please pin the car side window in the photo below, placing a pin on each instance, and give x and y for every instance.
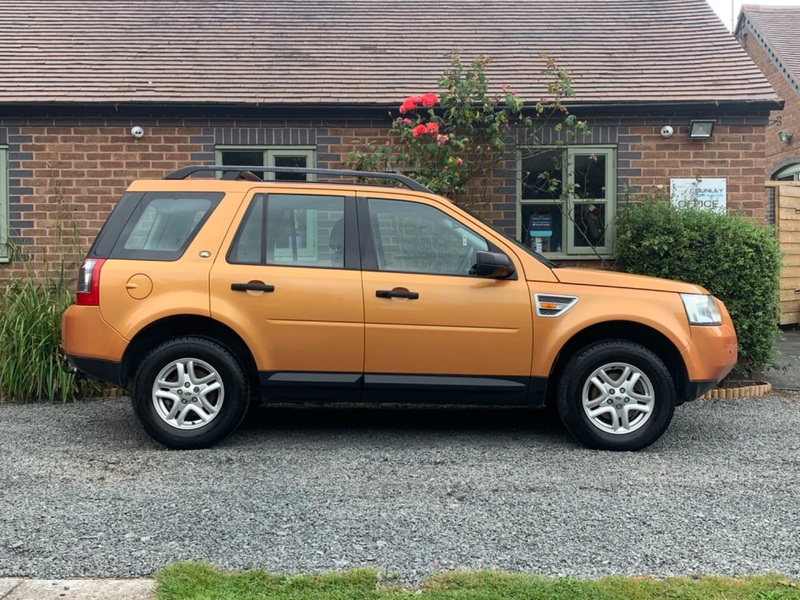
(418, 238)
(292, 230)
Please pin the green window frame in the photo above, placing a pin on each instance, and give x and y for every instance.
(5, 253)
(790, 173)
(567, 200)
(271, 156)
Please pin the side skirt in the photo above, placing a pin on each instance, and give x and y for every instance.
(402, 389)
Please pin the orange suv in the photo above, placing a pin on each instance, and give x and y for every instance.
(200, 295)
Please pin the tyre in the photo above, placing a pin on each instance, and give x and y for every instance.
(190, 393)
(616, 395)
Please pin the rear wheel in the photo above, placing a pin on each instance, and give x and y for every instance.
(616, 395)
(190, 393)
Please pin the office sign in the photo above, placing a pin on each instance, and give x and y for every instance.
(702, 193)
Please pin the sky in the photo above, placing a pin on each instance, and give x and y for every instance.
(723, 7)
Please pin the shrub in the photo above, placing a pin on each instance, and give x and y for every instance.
(736, 259)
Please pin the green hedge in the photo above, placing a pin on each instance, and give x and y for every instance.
(736, 259)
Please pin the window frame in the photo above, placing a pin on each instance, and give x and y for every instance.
(5, 251)
(570, 201)
(269, 153)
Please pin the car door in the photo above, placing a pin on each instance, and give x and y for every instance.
(432, 326)
(292, 289)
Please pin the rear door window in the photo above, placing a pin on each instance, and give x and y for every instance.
(298, 230)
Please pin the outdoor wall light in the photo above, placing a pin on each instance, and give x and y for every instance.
(701, 129)
(784, 137)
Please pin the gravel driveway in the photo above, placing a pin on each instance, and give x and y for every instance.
(85, 493)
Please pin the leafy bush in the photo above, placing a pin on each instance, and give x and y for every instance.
(737, 260)
(30, 338)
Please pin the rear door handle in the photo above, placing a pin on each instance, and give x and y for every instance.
(397, 294)
(252, 287)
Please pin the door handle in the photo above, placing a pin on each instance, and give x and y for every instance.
(252, 287)
(397, 294)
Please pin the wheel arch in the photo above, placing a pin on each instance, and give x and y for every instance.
(648, 337)
(186, 325)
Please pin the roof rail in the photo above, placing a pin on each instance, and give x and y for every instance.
(237, 171)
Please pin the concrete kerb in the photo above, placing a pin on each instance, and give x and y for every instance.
(77, 589)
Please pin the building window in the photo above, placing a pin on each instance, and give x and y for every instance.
(271, 156)
(4, 245)
(567, 198)
(790, 173)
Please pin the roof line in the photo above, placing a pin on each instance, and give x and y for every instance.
(772, 54)
(141, 109)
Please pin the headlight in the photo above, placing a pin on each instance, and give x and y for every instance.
(701, 309)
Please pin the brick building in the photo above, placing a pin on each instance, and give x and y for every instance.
(769, 35)
(281, 82)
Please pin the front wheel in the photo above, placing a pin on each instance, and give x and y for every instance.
(190, 393)
(616, 395)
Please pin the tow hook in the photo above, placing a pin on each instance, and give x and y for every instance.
(68, 367)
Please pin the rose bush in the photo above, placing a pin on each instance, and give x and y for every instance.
(453, 141)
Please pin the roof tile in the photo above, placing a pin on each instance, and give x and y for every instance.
(364, 51)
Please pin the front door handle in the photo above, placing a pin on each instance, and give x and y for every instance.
(397, 294)
(252, 287)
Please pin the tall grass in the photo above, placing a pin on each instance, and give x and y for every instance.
(31, 306)
(30, 338)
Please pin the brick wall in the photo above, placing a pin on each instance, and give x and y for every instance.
(735, 152)
(778, 155)
(66, 174)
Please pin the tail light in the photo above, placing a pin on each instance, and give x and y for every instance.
(89, 282)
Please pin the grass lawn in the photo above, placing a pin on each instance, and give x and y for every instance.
(190, 581)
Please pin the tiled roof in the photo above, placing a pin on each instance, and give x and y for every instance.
(363, 51)
(777, 28)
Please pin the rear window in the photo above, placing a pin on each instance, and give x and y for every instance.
(154, 226)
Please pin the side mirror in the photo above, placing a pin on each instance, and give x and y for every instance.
(493, 265)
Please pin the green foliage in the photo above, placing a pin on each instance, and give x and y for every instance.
(453, 140)
(202, 582)
(734, 258)
(30, 339)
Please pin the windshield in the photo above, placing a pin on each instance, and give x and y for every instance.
(545, 261)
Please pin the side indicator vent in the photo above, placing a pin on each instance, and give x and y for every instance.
(553, 306)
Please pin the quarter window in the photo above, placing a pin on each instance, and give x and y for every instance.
(154, 226)
(289, 156)
(417, 238)
(567, 199)
(291, 229)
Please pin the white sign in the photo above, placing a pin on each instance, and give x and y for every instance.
(699, 193)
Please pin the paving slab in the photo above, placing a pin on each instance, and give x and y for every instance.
(77, 589)
(786, 376)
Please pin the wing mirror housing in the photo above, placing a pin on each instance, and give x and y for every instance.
(493, 265)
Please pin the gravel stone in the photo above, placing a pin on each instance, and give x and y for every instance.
(85, 493)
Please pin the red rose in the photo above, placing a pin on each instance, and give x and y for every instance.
(428, 100)
(433, 128)
(419, 130)
(408, 105)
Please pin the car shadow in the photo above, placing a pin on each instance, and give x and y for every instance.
(402, 418)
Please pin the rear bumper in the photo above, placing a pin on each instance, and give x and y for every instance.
(95, 368)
